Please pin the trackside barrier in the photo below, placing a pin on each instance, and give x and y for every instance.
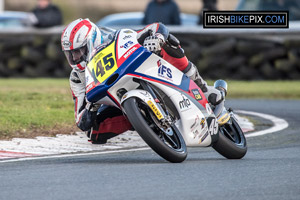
(249, 54)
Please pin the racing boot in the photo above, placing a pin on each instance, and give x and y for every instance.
(213, 95)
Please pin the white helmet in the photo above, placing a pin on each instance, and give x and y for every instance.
(74, 41)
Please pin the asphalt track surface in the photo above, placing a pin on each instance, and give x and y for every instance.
(270, 169)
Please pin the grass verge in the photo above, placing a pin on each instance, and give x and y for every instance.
(44, 107)
(34, 107)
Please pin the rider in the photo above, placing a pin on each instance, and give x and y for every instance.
(102, 122)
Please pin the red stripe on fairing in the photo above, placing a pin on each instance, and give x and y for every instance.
(203, 101)
(11, 154)
(122, 59)
(76, 28)
(114, 99)
(192, 86)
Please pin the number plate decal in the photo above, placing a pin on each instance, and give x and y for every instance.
(104, 63)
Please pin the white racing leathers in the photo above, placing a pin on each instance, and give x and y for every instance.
(101, 122)
(77, 84)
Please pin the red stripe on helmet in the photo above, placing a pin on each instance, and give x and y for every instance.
(80, 66)
(76, 28)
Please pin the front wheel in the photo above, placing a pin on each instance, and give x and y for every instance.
(232, 142)
(168, 143)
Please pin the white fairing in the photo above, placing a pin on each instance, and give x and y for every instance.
(192, 123)
(161, 70)
(127, 39)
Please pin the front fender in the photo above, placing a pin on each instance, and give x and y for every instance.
(146, 97)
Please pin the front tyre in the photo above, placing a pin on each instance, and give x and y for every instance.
(232, 142)
(169, 146)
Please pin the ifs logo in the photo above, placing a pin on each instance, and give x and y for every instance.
(126, 45)
(164, 71)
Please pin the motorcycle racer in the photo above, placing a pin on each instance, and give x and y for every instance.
(102, 122)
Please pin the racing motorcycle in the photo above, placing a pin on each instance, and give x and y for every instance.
(166, 108)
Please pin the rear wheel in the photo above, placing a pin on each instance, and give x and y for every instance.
(167, 142)
(232, 142)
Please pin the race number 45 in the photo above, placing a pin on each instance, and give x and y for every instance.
(108, 62)
(213, 126)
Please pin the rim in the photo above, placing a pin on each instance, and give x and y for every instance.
(233, 132)
(168, 135)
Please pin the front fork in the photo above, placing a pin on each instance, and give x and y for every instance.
(166, 121)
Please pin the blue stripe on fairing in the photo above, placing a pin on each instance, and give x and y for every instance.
(129, 66)
(185, 81)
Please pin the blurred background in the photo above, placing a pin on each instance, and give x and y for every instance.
(97, 9)
(31, 50)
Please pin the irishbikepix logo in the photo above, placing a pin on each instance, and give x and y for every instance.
(245, 19)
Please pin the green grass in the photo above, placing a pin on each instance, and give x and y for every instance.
(31, 107)
(35, 106)
(264, 89)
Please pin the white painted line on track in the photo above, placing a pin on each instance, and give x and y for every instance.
(74, 155)
(279, 124)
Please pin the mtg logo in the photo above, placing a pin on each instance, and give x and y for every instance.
(164, 71)
(184, 103)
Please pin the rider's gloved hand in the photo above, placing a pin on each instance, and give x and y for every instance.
(154, 42)
(92, 107)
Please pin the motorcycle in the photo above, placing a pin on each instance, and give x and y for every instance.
(166, 108)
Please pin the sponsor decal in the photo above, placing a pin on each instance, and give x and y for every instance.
(155, 110)
(128, 31)
(127, 37)
(129, 52)
(195, 124)
(126, 45)
(145, 94)
(185, 103)
(66, 44)
(196, 94)
(97, 49)
(204, 137)
(202, 123)
(164, 71)
(196, 132)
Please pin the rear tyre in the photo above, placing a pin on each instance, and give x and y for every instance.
(169, 145)
(232, 142)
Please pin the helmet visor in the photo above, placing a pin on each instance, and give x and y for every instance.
(76, 56)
